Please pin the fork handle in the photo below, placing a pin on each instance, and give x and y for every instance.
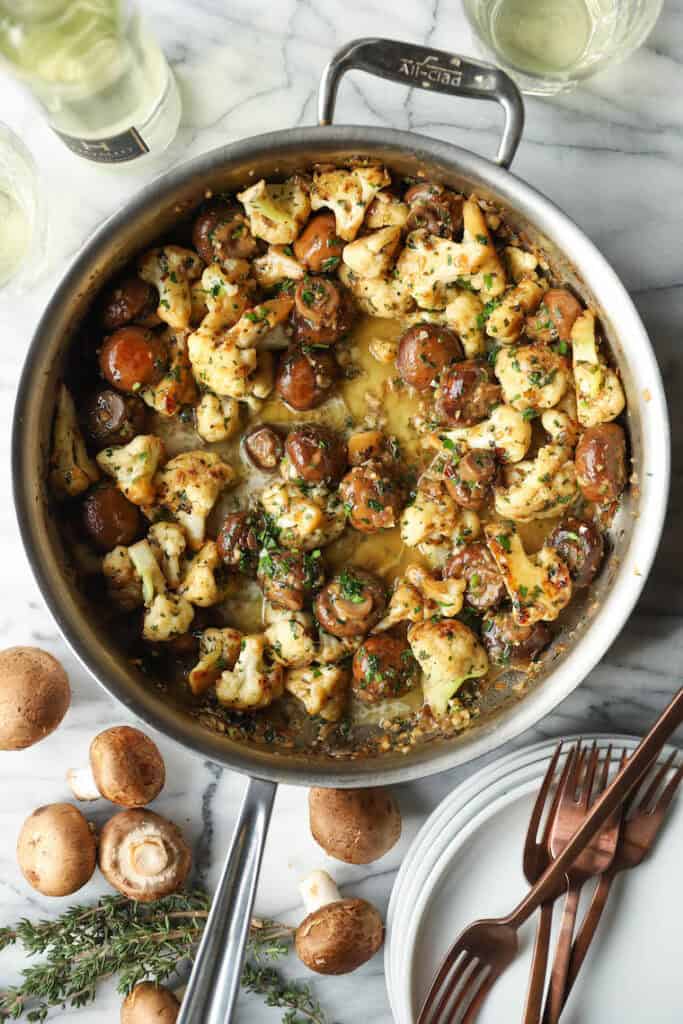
(534, 998)
(615, 794)
(563, 952)
(588, 929)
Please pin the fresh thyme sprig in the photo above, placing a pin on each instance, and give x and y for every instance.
(136, 942)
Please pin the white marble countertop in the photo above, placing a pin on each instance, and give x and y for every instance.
(610, 154)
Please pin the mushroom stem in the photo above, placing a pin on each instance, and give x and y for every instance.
(82, 783)
(317, 890)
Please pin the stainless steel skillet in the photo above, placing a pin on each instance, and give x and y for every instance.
(213, 986)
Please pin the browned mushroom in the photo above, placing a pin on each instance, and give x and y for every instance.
(423, 351)
(111, 418)
(351, 603)
(130, 299)
(601, 463)
(56, 850)
(554, 319)
(509, 644)
(143, 855)
(475, 563)
(149, 1003)
(132, 358)
(466, 393)
(323, 311)
(434, 209)
(338, 935)
(357, 826)
(238, 542)
(109, 519)
(372, 496)
(288, 578)
(34, 696)
(580, 544)
(317, 455)
(221, 232)
(305, 375)
(318, 246)
(468, 478)
(264, 447)
(126, 767)
(383, 668)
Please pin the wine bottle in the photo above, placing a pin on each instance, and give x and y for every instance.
(100, 76)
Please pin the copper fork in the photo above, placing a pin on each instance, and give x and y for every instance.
(536, 859)
(486, 948)
(581, 788)
(644, 815)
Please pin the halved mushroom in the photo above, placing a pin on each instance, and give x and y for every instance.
(149, 1003)
(34, 696)
(357, 826)
(126, 767)
(338, 935)
(143, 855)
(56, 850)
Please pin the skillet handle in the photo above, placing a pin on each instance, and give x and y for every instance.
(422, 66)
(215, 978)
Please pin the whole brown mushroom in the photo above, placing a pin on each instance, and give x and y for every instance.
(338, 935)
(357, 826)
(126, 767)
(34, 696)
(148, 1003)
(56, 850)
(143, 855)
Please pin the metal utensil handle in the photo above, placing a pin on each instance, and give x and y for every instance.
(619, 788)
(426, 68)
(215, 978)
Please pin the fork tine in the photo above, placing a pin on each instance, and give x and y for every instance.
(589, 777)
(467, 990)
(668, 794)
(604, 776)
(572, 781)
(561, 785)
(479, 997)
(537, 812)
(452, 956)
(646, 802)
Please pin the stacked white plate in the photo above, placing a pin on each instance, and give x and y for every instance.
(466, 863)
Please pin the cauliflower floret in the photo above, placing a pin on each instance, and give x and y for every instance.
(218, 418)
(506, 431)
(254, 682)
(520, 263)
(539, 585)
(133, 466)
(304, 521)
(277, 265)
(124, 585)
(276, 212)
(405, 605)
(428, 262)
(442, 598)
(188, 487)
(171, 270)
(373, 254)
(262, 381)
(532, 376)
(448, 653)
(377, 296)
(201, 584)
(177, 386)
(562, 427)
(72, 470)
(331, 649)
(216, 361)
(434, 517)
(539, 488)
(600, 396)
(386, 210)
(218, 651)
(322, 689)
(167, 615)
(506, 322)
(348, 193)
(168, 543)
(290, 636)
(464, 314)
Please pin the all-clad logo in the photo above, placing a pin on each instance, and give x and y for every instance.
(429, 70)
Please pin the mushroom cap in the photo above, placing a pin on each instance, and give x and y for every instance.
(143, 855)
(357, 826)
(127, 766)
(56, 850)
(148, 1003)
(340, 936)
(34, 696)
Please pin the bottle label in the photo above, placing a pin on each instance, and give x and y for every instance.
(113, 150)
